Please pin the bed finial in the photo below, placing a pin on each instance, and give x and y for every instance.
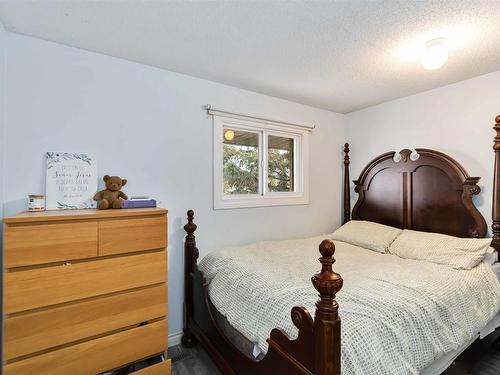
(327, 282)
(347, 186)
(496, 189)
(190, 227)
(346, 151)
(326, 321)
(496, 145)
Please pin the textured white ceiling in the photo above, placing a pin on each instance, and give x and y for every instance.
(337, 55)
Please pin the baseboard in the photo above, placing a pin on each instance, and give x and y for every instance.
(174, 339)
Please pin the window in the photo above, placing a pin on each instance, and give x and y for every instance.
(258, 162)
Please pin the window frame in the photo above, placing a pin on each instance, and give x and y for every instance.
(264, 128)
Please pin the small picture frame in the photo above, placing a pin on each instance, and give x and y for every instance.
(71, 181)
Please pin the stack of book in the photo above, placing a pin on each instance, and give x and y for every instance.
(139, 202)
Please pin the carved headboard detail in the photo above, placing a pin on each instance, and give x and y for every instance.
(423, 190)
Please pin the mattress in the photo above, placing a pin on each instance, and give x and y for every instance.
(410, 314)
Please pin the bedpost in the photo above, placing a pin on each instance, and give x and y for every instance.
(496, 189)
(326, 320)
(347, 187)
(190, 257)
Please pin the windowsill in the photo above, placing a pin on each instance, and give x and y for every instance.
(260, 201)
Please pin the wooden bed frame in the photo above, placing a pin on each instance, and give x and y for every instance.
(421, 189)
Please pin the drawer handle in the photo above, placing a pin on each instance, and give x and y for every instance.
(66, 264)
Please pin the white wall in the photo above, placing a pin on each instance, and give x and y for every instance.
(455, 119)
(147, 125)
(3, 50)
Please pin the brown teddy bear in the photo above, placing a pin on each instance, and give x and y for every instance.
(111, 197)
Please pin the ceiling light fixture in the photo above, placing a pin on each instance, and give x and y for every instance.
(435, 54)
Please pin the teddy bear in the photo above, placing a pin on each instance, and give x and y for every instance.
(111, 197)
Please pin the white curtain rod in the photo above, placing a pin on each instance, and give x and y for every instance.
(221, 112)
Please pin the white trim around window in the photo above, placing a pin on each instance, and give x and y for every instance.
(263, 128)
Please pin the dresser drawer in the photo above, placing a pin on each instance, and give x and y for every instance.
(97, 355)
(163, 368)
(129, 235)
(25, 290)
(37, 331)
(45, 243)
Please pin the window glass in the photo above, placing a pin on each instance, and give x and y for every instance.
(240, 162)
(280, 161)
(280, 164)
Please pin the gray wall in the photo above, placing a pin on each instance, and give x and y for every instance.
(147, 125)
(3, 49)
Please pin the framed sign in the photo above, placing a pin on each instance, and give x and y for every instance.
(71, 181)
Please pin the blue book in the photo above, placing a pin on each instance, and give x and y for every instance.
(139, 203)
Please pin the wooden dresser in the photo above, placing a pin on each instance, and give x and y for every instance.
(84, 291)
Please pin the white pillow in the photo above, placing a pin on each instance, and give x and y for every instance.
(372, 236)
(460, 253)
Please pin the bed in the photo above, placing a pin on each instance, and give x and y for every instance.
(400, 316)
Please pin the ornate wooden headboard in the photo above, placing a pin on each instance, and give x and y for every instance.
(423, 190)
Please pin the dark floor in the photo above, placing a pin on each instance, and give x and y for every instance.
(481, 358)
(191, 361)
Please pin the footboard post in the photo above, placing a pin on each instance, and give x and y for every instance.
(190, 258)
(326, 320)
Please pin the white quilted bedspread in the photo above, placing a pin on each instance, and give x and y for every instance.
(398, 315)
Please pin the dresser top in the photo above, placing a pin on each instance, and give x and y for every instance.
(63, 215)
